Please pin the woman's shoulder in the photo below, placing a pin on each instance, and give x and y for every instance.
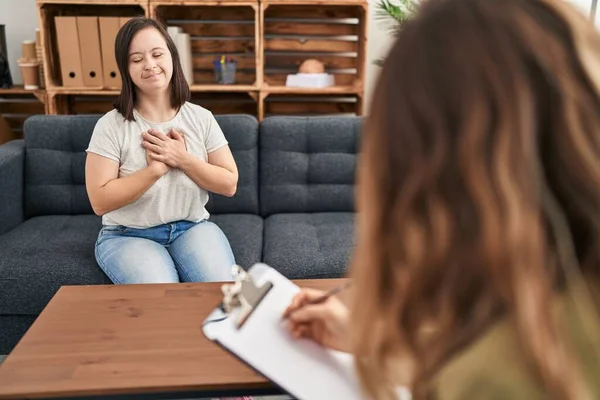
(196, 110)
(111, 120)
(494, 367)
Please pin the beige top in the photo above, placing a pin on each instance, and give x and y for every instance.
(494, 366)
(174, 196)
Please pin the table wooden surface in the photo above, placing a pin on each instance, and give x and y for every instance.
(126, 339)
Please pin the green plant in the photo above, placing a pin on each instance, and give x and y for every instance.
(393, 14)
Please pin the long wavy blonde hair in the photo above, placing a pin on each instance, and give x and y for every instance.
(478, 188)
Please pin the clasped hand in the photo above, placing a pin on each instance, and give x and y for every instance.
(169, 149)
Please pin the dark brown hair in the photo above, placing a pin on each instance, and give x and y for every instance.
(125, 103)
(478, 188)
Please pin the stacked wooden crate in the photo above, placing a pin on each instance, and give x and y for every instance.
(269, 39)
(332, 32)
(79, 97)
(16, 105)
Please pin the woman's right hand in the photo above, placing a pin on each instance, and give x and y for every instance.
(326, 323)
(160, 167)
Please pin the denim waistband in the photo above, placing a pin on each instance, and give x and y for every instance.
(164, 234)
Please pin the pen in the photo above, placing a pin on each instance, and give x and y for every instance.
(325, 296)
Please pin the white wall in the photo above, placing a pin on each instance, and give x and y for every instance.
(21, 20)
(379, 41)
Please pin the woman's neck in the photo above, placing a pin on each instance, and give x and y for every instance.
(157, 108)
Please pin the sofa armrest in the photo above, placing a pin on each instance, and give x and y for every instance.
(12, 165)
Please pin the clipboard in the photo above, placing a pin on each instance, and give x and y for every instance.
(248, 324)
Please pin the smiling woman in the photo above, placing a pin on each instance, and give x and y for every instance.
(150, 165)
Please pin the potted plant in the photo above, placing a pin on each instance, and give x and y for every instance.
(393, 14)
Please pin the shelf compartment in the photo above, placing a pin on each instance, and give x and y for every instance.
(48, 10)
(102, 102)
(332, 33)
(215, 29)
(312, 105)
(16, 105)
(223, 103)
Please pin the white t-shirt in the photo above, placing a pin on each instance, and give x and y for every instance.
(174, 196)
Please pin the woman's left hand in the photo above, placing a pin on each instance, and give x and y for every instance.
(169, 149)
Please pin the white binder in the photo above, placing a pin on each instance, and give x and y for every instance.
(300, 367)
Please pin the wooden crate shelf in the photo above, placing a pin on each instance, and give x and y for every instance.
(228, 102)
(94, 2)
(93, 102)
(48, 10)
(102, 102)
(311, 104)
(326, 90)
(269, 39)
(198, 2)
(215, 29)
(333, 33)
(16, 105)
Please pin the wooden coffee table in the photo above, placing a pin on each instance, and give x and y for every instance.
(125, 340)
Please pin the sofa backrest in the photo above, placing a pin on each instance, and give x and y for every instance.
(307, 164)
(242, 133)
(55, 164)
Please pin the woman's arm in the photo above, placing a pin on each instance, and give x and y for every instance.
(218, 175)
(108, 192)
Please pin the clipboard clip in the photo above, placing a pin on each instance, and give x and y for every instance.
(244, 294)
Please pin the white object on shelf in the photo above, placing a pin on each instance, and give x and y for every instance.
(182, 41)
(173, 31)
(310, 80)
(185, 56)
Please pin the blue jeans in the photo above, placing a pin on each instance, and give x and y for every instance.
(181, 251)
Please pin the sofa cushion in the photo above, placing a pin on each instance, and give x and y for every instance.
(55, 164)
(41, 255)
(45, 253)
(315, 245)
(245, 235)
(307, 164)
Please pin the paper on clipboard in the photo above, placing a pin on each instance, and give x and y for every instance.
(302, 368)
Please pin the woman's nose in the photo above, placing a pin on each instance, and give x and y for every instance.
(149, 65)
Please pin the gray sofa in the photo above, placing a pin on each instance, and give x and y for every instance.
(294, 207)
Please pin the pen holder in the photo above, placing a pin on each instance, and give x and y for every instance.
(225, 72)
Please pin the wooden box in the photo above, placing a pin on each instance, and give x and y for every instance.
(312, 105)
(100, 8)
(331, 32)
(101, 102)
(216, 29)
(223, 103)
(76, 102)
(16, 105)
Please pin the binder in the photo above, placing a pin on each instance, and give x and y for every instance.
(254, 332)
(68, 51)
(89, 48)
(109, 27)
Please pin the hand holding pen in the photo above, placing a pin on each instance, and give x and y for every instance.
(320, 316)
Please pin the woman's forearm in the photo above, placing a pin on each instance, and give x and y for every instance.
(120, 192)
(210, 177)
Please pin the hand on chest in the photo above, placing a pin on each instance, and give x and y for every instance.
(170, 145)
